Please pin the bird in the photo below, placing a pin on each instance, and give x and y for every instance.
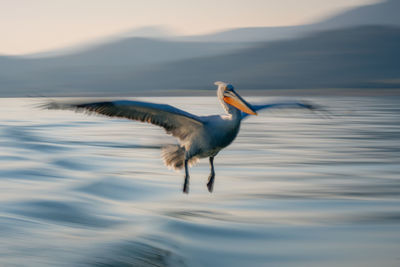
(199, 136)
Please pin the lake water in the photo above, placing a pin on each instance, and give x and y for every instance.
(294, 189)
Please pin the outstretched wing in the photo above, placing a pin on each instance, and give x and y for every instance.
(281, 105)
(175, 121)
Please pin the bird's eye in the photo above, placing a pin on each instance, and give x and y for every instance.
(229, 87)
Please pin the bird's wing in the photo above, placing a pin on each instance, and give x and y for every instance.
(281, 105)
(175, 121)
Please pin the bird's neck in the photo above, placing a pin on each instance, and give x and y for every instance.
(235, 113)
(231, 111)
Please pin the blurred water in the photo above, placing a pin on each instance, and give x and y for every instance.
(294, 189)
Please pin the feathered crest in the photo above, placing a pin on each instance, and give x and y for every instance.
(219, 83)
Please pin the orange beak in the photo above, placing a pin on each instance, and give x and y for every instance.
(232, 98)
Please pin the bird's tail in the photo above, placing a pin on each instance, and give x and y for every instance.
(174, 157)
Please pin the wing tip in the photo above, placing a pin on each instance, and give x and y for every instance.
(49, 105)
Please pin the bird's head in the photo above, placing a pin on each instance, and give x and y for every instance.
(227, 93)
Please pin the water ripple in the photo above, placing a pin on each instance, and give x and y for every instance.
(294, 189)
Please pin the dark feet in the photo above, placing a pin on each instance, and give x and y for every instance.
(186, 182)
(210, 184)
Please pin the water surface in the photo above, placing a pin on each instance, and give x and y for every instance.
(294, 189)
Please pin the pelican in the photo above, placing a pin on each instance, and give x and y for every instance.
(199, 136)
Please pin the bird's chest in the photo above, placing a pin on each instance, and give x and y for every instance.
(216, 135)
(223, 134)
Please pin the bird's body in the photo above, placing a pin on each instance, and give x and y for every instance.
(217, 133)
(199, 136)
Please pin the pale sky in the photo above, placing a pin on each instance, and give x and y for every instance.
(30, 26)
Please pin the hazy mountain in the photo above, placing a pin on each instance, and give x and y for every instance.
(249, 34)
(366, 56)
(358, 57)
(383, 13)
(89, 64)
(138, 52)
(149, 32)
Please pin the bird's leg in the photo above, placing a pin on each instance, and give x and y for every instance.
(186, 182)
(210, 184)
